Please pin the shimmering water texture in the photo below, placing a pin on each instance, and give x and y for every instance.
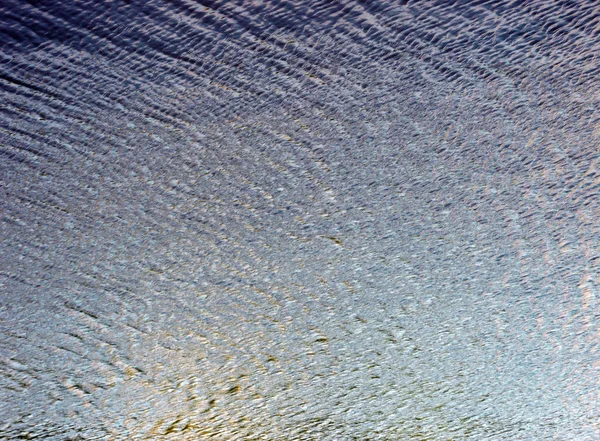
(300, 220)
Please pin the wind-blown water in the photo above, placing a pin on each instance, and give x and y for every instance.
(300, 220)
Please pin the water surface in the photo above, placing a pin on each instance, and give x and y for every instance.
(299, 220)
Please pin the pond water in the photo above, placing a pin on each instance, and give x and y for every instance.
(300, 220)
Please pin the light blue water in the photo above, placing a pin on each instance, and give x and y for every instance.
(276, 220)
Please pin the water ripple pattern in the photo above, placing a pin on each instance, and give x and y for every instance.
(300, 220)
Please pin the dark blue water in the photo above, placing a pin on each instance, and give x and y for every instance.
(299, 220)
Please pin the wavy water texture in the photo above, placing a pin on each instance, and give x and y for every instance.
(300, 220)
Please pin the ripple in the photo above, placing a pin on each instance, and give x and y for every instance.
(299, 220)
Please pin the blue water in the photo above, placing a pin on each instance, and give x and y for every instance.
(299, 220)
